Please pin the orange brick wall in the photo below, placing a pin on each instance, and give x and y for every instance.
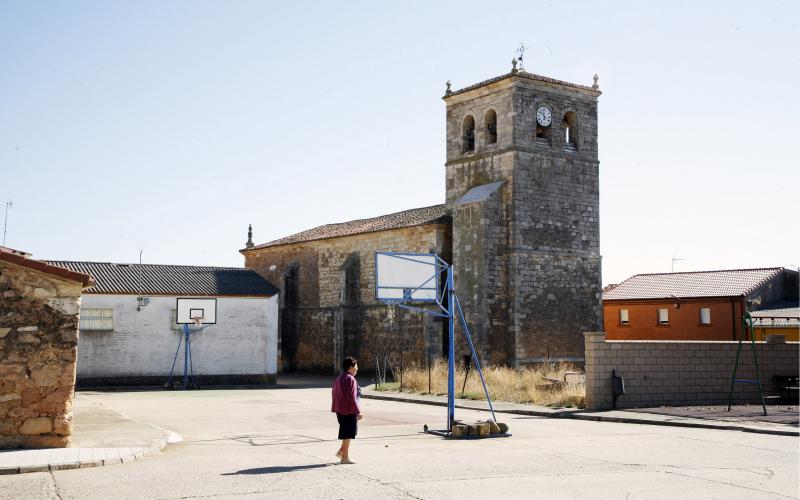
(684, 321)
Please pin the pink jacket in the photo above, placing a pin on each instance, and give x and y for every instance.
(345, 395)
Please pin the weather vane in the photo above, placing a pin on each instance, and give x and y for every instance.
(521, 51)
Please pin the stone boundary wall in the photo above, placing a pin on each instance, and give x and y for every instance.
(38, 352)
(680, 373)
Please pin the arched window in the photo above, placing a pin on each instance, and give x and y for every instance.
(491, 126)
(469, 134)
(351, 271)
(570, 125)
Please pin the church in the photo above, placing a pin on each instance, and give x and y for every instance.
(520, 224)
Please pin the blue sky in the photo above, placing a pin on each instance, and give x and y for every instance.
(171, 126)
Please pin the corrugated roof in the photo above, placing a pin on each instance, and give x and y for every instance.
(24, 259)
(407, 218)
(728, 283)
(153, 279)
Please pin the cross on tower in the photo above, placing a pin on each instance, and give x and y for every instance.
(521, 51)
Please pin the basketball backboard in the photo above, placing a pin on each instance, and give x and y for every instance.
(190, 309)
(407, 276)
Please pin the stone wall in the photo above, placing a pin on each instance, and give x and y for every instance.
(328, 308)
(534, 285)
(38, 351)
(658, 373)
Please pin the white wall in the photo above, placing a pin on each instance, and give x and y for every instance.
(243, 342)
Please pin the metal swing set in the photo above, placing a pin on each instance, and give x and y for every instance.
(407, 278)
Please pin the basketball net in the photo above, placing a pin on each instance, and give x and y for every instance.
(392, 309)
(198, 322)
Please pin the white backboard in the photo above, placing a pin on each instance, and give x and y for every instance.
(409, 276)
(188, 309)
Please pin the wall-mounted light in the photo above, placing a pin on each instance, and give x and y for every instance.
(141, 302)
(273, 267)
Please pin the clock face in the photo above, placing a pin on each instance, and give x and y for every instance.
(543, 116)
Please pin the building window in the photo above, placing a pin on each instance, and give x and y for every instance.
(469, 134)
(663, 316)
(623, 316)
(705, 316)
(570, 124)
(97, 320)
(491, 127)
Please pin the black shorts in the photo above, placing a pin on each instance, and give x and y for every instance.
(348, 426)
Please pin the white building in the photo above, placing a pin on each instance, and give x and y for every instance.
(129, 335)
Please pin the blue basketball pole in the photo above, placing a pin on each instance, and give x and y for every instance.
(186, 354)
(451, 351)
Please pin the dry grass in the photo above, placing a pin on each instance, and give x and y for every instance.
(529, 385)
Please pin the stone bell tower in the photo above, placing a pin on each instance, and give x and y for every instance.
(523, 188)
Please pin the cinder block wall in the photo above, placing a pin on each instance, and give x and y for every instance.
(38, 342)
(676, 373)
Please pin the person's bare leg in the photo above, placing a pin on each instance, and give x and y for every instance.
(339, 451)
(346, 451)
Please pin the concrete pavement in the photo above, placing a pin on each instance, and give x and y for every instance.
(260, 443)
(741, 418)
(101, 436)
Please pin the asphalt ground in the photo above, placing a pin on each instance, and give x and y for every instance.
(279, 443)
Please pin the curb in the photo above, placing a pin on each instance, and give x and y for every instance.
(155, 447)
(595, 417)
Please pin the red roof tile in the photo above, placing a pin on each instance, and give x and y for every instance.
(728, 283)
(436, 214)
(23, 259)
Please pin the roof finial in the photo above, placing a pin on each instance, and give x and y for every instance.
(595, 86)
(521, 51)
(513, 65)
(249, 236)
(447, 90)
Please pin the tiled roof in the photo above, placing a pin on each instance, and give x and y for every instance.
(527, 76)
(729, 283)
(23, 259)
(436, 214)
(151, 279)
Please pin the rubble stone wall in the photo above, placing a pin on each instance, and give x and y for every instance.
(38, 353)
(328, 308)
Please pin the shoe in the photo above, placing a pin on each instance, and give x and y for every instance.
(346, 461)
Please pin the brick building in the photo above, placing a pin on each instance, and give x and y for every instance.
(129, 335)
(520, 224)
(704, 305)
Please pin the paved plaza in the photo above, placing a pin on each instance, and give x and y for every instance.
(279, 443)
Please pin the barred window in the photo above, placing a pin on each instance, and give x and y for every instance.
(97, 320)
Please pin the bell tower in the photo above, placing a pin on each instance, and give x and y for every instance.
(522, 180)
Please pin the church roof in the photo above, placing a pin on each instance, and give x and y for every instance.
(437, 214)
(527, 76)
(155, 279)
(729, 283)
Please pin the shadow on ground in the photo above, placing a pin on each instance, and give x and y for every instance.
(277, 470)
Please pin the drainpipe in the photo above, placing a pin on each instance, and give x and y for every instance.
(733, 318)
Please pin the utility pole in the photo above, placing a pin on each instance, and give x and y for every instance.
(9, 204)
